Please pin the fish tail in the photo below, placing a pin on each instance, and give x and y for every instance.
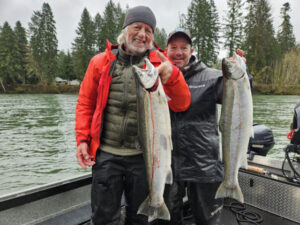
(153, 213)
(235, 193)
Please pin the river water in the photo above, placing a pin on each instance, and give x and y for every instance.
(37, 144)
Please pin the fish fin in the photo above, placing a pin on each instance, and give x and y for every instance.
(169, 178)
(159, 213)
(168, 98)
(149, 65)
(153, 213)
(136, 69)
(244, 163)
(163, 141)
(235, 193)
(144, 207)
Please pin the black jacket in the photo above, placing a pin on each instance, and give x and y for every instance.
(196, 154)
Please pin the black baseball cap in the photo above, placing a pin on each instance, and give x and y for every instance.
(180, 30)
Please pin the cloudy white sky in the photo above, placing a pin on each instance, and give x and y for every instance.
(67, 13)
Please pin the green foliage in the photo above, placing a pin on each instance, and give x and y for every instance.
(65, 66)
(233, 27)
(34, 73)
(111, 24)
(92, 35)
(9, 57)
(22, 44)
(287, 70)
(285, 36)
(260, 44)
(272, 60)
(84, 45)
(202, 21)
(160, 38)
(100, 41)
(44, 43)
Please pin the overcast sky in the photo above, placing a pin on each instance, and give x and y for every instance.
(67, 13)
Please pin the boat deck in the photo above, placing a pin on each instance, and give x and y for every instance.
(229, 218)
(67, 202)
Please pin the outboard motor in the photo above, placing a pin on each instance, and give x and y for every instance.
(262, 141)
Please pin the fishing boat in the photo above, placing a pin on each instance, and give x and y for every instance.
(271, 190)
(271, 198)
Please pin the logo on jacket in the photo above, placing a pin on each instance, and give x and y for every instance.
(197, 86)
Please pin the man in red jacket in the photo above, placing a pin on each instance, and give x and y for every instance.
(106, 113)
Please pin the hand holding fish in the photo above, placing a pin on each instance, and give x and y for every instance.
(82, 155)
(165, 68)
(237, 65)
(240, 52)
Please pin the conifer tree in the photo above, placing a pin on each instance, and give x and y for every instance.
(65, 66)
(213, 33)
(160, 38)
(22, 44)
(112, 22)
(260, 44)
(202, 22)
(233, 27)
(9, 55)
(286, 37)
(100, 41)
(33, 70)
(84, 45)
(43, 42)
(250, 36)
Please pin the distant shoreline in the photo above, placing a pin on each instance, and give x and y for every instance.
(74, 89)
(41, 89)
(268, 89)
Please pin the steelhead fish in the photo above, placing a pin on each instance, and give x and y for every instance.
(154, 133)
(235, 124)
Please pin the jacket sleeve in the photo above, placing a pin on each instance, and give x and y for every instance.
(178, 91)
(86, 101)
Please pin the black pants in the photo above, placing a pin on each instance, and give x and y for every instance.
(113, 175)
(205, 208)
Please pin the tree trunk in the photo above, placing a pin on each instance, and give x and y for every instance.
(2, 85)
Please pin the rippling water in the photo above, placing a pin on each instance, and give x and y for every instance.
(277, 113)
(37, 144)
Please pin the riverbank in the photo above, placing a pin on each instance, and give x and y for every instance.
(268, 89)
(264, 89)
(41, 89)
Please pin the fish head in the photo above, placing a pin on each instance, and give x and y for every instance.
(234, 67)
(148, 76)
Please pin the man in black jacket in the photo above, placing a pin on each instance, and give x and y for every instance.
(196, 161)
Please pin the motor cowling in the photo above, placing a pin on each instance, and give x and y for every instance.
(262, 141)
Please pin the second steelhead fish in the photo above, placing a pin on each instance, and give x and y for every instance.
(236, 125)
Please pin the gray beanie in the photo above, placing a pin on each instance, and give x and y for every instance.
(140, 14)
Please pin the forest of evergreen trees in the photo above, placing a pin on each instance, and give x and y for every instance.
(32, 56)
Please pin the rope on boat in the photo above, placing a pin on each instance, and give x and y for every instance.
(242, 215)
